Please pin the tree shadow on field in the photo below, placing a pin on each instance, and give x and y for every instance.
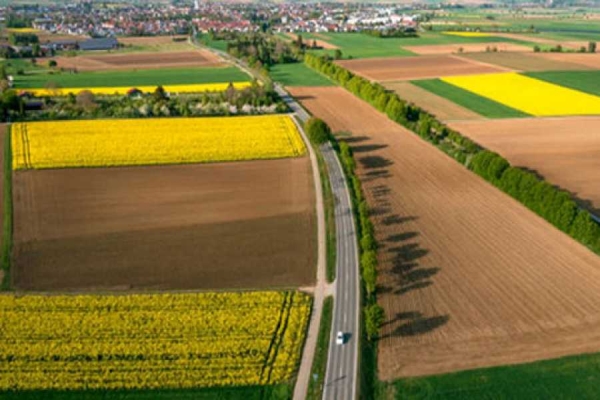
(400, 252)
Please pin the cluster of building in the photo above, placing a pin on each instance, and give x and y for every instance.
(119, 19)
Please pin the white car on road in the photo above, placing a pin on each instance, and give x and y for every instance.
(339, 339)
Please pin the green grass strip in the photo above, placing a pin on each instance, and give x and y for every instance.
(317, 373)
(7, 211)
(298, 74)
(150, 77)
(481, 105)
(576, 377)
(280, 392)
(584, 81)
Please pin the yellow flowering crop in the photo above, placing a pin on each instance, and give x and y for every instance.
(22, 30)
(99, 143)
(150, 341)
(530, 95)
(121, 90)
(468, 34)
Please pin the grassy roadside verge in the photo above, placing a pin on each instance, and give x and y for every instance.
(319, 366)
(480, 105)
(328, 205)
(7, 229)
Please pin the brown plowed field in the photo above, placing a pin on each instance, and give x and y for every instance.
(468, 277)
(409, 68)
(174, 59)
(526, 62)
(211, 226)
(442, 108)
(566, 151)
(466, 48)
(582, 60)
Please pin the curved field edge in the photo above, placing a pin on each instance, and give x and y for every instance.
(481, 105)
(575, 377)
(158, 341)
(279, 392)
(154, 141)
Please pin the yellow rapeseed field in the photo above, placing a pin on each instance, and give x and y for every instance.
(530, 95)
(150, 341)
(121, 90)
(468, 34)
(100, 143)
(22, 30)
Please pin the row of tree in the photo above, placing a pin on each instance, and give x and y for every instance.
(319, 133)
(391, 33)
(549, 202)
(262, 50)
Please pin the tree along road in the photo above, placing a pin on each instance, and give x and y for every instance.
(341, 378)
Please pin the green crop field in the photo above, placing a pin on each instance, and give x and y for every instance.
(480, 105)
(585, 81)
(575, 377)
(171, 76)
(281, 392)
(298, 75)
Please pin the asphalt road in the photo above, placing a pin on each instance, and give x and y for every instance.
(341, 377)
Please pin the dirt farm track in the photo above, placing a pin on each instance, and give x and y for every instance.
(468, 276)
(225, 225)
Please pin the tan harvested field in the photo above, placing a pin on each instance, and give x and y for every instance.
(211, 226)
(525, 62)
(157, 43)
(582, 60)
(466, 48)
(468, 277)
(150, 60)
(442, 108)
(46, 37)
(566, 151)
(320, 43)
(421, 67)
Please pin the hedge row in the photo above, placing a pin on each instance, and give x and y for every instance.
(551, 203)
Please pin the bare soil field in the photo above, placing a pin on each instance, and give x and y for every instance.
(320, 43)
(442, 108)
(582, 60)
(46, 37)
(410, 68)
(566, 151)
(468, 277)
(466, 48)
(527, 62)
(211, 226)
(151, 40)
(150, 60)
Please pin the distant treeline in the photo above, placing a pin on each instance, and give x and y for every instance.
(391, 33)
(553, 204)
